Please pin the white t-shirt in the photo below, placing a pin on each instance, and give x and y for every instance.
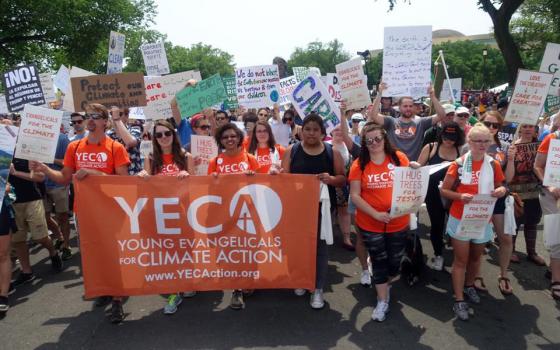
(280, 131)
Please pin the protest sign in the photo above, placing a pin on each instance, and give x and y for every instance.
(529, 95)
(204, 94)
(552, 168)
(353, 87)
(198, 234)
(476, 215)
(203, 149)
(287, 86)
(155, 59)
(68, 100)
(48, 87)
(3, 105)
(456, 85)
(407, 60)
(116, 53)
(146, 148)
(551, 64)
(161, 90)
(121, 90)
(311, 95)
(23, 86)
(62, 79)
(8, 136)
(38, 135)
(231, 92)
(136, 113)
(552, 104)
(333, 87)
(409, 190)
(257, 86)
(301, 72)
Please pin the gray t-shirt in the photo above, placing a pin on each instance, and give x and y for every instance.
(407, 137)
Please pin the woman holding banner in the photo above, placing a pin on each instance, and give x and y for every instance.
(371, 188)
(445, 150)
(313, 156)
(233, 160)
(169, 159)
(264, 147)
(474, 173)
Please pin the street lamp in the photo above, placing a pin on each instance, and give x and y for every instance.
(484, 55)
(365, 56)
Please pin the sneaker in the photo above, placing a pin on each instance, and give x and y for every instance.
(369, 266)
(56, 262)
(173, 301)
(189, 294)
(66, 254)
(380, 311)
(365, 279)
(461, 310)
(389, 293)
(437, 263)
(4, 306)
(23, 278)
(58, 244)
(117, 313)
(472, 294)
(317, 300)
(237, 302)
(102, 301)
(300, 292)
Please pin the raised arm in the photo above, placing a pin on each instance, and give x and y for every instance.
(344, 126)
(440, 112)
(373, 114)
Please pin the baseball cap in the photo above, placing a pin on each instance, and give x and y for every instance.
(418, 101)
(450, 132)
(449, 108)
(462, 110)
(357, 116)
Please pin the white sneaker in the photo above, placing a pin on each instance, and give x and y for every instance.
(365, 279)
(317, 301)
(380, 311)
(300, 292)
(370, 269)
(189, 294)
(437, 263)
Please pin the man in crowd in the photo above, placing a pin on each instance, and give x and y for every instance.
(96, 154)
(407, 131)
(387, 106)
(128, 136)
(78, 124)
(462, 116)
(280, 129)
(432, 133)
(222, 118)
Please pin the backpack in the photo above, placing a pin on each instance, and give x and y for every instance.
(413, 261)
(328, 147)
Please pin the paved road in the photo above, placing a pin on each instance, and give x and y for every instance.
(51, 314)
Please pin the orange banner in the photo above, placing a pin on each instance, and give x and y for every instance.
(165, 235)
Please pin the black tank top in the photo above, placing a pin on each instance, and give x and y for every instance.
(439, 175)
(303, 163)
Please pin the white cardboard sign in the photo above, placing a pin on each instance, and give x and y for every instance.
(116, 53)
(38, 133)
(353, 86)
(529, 96)
(155, 59)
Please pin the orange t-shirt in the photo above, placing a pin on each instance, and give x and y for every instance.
(377, 190)
(246, 143)
(456, 209)
(545, 144)
(223, 164)
(169, 167)
(264, 157)
(104, 156)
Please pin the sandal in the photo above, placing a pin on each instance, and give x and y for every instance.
(481, 287)
(555, 291)
(536, 259)
(514, 258)
(505, 288)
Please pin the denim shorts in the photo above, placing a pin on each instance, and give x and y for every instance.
(453, 225)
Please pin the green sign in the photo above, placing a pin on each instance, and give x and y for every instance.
(231, 92)
(206, 93)
(552, 104)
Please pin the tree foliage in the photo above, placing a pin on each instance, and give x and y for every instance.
(324, 56)
(204, 58)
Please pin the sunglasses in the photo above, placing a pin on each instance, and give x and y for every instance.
(94, 116)
(492, 125)
(226, 137)
(463, 115)
(167, 133)
(75, 122)
(371, 141)
(204, 127)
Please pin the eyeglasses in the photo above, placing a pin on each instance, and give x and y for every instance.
(492, 125)
(226, 137)
(167, 133)
(74, 122)
(263, 114)
(94, 116)
(355, 121)
(371, 141)
(480, 142)
(463, 115)
(203, 127)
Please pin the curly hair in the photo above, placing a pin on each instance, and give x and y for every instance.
(226, 127)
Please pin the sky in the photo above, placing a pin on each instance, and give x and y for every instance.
(255, 32)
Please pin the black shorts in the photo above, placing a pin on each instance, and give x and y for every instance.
(7, 223)
(500, 207)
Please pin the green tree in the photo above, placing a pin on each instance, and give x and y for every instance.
(324, 56)
(501, 18)
(50, 32)
(204, 58)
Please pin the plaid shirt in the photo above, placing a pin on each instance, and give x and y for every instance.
(133, 153)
